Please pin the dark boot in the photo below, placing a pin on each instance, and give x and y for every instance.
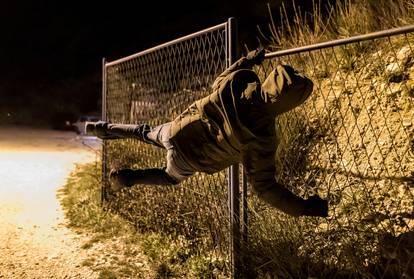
(104, 130)
(127, 178)
(138, 131)
(99, 129)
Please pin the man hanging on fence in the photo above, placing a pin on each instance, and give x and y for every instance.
(235, 123)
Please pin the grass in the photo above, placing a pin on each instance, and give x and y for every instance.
(332, 21)
(119, 250)
(80, 198)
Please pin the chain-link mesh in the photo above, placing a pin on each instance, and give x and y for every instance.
(352, 142)
(154, 87)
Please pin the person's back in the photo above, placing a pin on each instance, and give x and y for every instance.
(214, 131)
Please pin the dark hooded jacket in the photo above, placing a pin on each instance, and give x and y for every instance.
(236, 123)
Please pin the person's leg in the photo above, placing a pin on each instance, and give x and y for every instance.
(177, 166)
(106, 130)
(176, 171)
(154, 176)
(127, 178)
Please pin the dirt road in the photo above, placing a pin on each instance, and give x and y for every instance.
(34, 241)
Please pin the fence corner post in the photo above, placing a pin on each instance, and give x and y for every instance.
(234, 171)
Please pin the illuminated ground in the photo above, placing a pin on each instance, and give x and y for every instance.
(34, 242)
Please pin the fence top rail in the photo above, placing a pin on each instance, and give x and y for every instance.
(181, 39)
(344, 41)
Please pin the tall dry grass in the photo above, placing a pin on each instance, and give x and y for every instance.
(329, 21)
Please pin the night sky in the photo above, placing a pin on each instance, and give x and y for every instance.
(51, 51)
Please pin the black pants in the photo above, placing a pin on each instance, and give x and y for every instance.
(177, 168)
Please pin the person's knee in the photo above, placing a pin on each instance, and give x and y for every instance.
(174, 182)
(170, 178)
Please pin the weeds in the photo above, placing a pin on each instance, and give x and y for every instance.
(122, 251)
(332, 21)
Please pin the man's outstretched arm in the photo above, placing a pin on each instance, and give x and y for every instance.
(259, 164)
(253, 58)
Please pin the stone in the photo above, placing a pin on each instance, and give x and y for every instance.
(395, 72)
(407, 123)
(393, 68)
(404, 55)
(393, 89)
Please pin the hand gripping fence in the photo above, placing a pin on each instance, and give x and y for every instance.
(351, 142)
(154, 86)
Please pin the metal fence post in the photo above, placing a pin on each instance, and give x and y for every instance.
(234, 184)
(244, 224)
(104, 170)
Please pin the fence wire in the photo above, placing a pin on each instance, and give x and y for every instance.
(154, 87)
(352, 142)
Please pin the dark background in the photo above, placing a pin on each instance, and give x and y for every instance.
(51, 51)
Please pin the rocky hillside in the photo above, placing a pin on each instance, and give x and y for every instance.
(352, 143)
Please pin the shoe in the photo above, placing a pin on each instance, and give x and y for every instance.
(315, 206)
(119, 179)
(99, 129)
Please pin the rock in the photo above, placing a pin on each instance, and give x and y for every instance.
(393, 90)
(393, 68)
(407, 123)
(404, 55)
(395, 72)
(381, 142)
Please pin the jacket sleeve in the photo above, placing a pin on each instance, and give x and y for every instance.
(242, 63)
(259, 164)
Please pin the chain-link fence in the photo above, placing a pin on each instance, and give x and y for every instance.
(352, 142)
(153, 87)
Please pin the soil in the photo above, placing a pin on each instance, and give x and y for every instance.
(35, 241)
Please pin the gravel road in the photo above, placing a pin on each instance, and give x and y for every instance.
(34, 240)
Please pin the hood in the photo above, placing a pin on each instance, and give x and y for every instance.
(286, 89)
